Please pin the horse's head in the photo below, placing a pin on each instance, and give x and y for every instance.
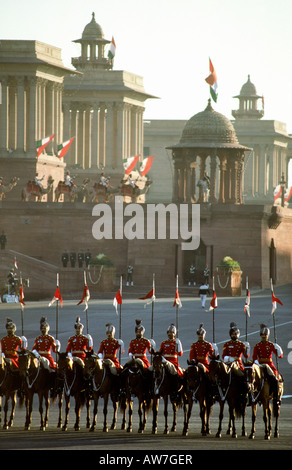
(92, 363)
(26, 361)
(216, 369)
(252, 374)
(157, 364)
(64, 363)
(194, 374)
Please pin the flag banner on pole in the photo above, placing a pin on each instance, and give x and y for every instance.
(277, 192)
(112, 49)
(212, 81)
(64, 147)
(275, 300)
(214, 302)
(177, 300)
(57, 296)
(21, 296)
(15, 264)
(41, 144)
(247, 303)
(150, 295)
(85, 297)
(145, 165)
(288, 194)
(117, 300)
(130, 163)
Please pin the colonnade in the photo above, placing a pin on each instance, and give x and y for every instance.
(222, 167)
(105, 133)
(31, 109)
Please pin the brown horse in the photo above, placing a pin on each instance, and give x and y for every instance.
(35, 379)
(9, 385)
(103, 384)
(230, 384)
(198, 388)
(72, 372)
(136, 382)
(261, 383)
(164, 385)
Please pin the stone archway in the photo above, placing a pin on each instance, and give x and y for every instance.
(198, 258)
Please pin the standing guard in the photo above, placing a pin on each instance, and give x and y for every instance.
(109, 347)
(234, 349)
(202, 350)
(79, 344)
(11, 343)
(44, 345)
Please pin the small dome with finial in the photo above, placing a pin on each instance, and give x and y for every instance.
(92, 30)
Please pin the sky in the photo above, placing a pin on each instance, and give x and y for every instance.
(169, 42)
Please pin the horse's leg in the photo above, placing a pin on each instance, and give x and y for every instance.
(67, 409)
(129, 428)
(265, 418)
(141, 413)
(165, 415)
(13, 406)
(60, 404)
(5, 424)
(203, 418)
(77, 413)
(87, 413)
(243, 432)
(174, 409)
(187, 417)
(221, 414)
(41, 396)
(95, 408)
(47, 403)
(154, 414)
(276, 409)
(115, 407)
(105, 403)
(253, 420)
(29, 410)
(232, 419)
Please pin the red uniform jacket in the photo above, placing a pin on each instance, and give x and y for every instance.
(78, 345)
(168, 349)
(263, 353)
(44, 345)
(109, 348)
(201, 351)
(235, 349)
(138, 348)
(10, 346)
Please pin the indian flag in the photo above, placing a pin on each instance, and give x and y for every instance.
(130, 163)
(41, 144)
(112, 49)
(64, 147)
(145, 165)
(212, 81)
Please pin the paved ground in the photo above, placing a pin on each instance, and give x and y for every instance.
(190, 316)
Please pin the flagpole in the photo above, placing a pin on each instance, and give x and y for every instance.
(177, 306)
(152, 316)
(246, 315)
(274, 324)
(21, 306)
(57, 310)
(120, 328)
(86, 310)
(213, 314)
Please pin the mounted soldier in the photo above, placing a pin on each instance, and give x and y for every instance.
(171, 349)
(79, 344)
(44, 345)
(108, 349)
(11, 344)
(234, 349)
(262, 355)
(139, 346)
(202, 350)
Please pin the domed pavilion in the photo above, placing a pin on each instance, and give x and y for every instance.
(208, 142)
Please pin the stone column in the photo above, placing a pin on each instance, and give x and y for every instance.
(102, 136)
(109, 136)
(21, 115)
(222, 188)
(213, 177)
(87, 139)
(74, 133)
(12, 110)
(81, 148)
(120, 135)
(95, 136)
(4, 115)
(50, 113)
(32, 111)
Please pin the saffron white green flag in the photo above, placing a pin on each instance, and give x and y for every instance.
(112, 49)
(146, 165)
(41, 144)
(130, 163)
(64, 147)
(212, 81)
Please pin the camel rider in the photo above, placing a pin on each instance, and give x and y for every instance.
(79, 344)
(262, 354)
(10, 345)
(38, 181)
(170, 350)
(68, 180)
(201, 350)
(108, 349)
(104, 181)
(234, 349)
(140, 345)
(44, 345)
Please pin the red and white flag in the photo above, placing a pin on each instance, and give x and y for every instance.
(247, 300)
(150, 295)
(86, 294)
(214, 301)
(57, 295)
(21, 295)
(275, 300)
(117, 300)
(130, 163)
(177, 300)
